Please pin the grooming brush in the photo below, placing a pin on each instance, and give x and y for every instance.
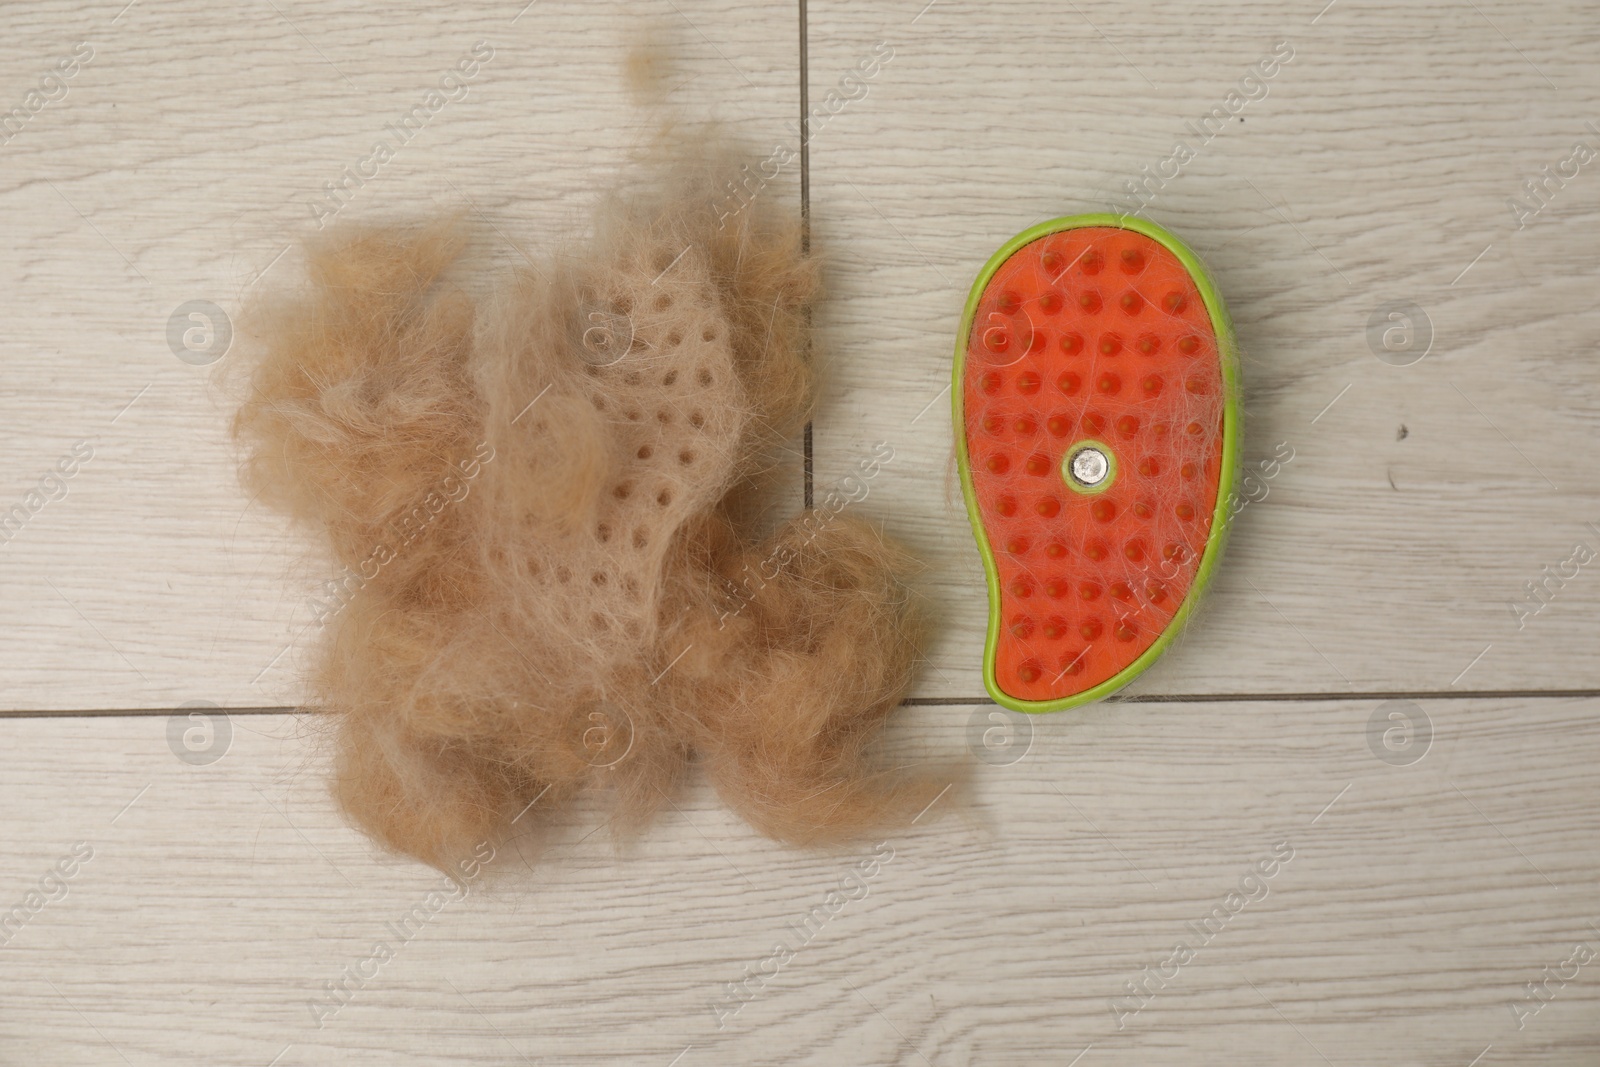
(1097, 433)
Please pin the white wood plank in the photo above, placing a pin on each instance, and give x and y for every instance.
(1419, 900)
(1376, 168)
(181, 162)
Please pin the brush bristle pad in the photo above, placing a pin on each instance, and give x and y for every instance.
(1097, 337)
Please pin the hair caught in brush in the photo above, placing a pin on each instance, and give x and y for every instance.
(544, 492)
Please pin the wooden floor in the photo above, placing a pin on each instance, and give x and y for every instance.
(1352, 818)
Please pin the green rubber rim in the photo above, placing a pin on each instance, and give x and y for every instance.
(1227, 352)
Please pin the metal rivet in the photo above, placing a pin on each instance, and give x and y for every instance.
(1089, 467)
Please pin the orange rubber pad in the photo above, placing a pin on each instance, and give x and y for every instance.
(1091, 334)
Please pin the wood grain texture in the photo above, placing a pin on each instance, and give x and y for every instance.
(182, 162)
(1376, 167)
(1418, 901)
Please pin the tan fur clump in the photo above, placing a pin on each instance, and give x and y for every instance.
(648, 66)
(541, 494)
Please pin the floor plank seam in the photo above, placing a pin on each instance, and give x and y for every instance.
(1293, 698)
(958, 701)
(808, 496)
